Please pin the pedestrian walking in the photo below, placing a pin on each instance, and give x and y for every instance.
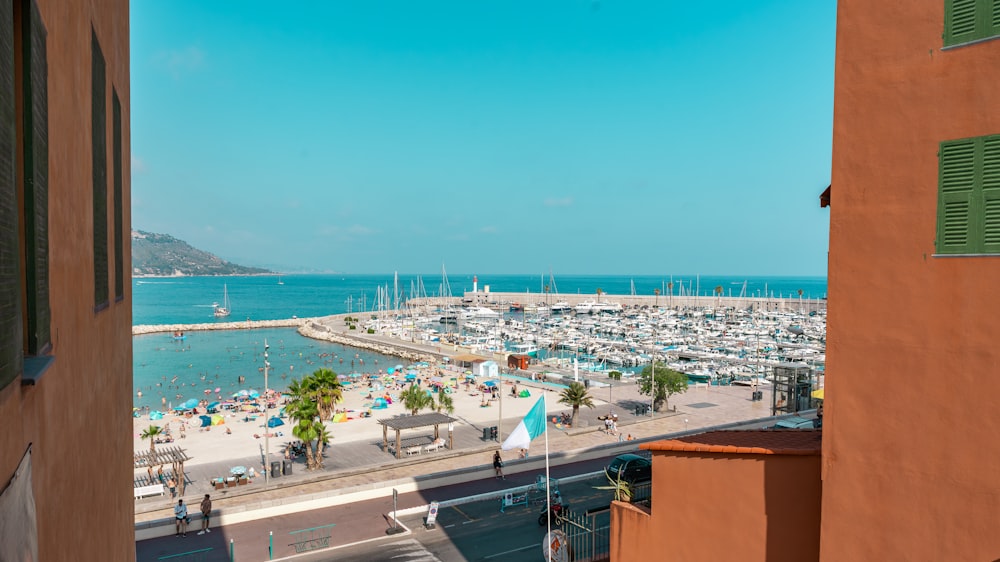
(498, 465)
(206, 512)
(180, 518)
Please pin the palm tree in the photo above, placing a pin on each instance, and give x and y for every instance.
(323, 437)
(670, 287)
(327, 391)
(313, 401)
(305, 430)
(576, 395)
(151, 433)
(444, 402)
(656, 292)
(415, 399)
(600, 292)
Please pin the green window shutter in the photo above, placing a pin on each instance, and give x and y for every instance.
(11, 334)
(993, 22)
(960, 21)
(99, 151)
(36, 181)
(956, 181)
(990, 221)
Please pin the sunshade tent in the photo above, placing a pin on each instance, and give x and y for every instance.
(156, 415)
(191, 403)
(218, 420)
(205, 421)
(275, 422)
(818, 394)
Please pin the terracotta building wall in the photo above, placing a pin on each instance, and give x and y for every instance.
(748, 507)
(910, 446)
(77, 417)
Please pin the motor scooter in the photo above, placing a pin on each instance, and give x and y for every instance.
(557, 512)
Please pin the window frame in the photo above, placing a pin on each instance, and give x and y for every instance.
(983, 15)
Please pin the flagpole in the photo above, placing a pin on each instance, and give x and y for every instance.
(548, 494)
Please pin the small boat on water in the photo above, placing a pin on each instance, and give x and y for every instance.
(223, 310)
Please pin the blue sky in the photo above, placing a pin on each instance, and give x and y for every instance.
(582, 136)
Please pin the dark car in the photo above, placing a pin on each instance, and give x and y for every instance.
(633, 468)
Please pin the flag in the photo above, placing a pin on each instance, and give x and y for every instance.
(530, 427)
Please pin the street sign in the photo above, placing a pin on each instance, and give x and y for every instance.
(432, 513)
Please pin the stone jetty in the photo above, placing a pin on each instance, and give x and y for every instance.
(240, 325)
(327, 329)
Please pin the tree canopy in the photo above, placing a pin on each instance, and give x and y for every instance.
(662, 385)
(576, 395)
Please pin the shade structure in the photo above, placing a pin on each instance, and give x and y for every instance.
(339, 418)
(380, 404)
(218, 420)
(205, 421)
(818, 394)
(180, 408)
(253, 393)
(156, 415)
(275, 422)
(410, 377)
(213, 405)
(490, 383)
(190, 403)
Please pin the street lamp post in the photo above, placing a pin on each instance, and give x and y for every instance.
(267, 444)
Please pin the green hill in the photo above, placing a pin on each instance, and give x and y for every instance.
(163, 255)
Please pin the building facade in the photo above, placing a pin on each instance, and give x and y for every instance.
(65, 294)
(910, 455)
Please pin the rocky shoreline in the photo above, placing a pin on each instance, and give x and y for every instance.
(240, 325)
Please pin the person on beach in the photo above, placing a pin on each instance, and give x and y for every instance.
(498, 465)
(172, 486)
(180, 518)
(206, 512)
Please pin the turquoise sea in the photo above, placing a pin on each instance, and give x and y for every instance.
(171, 371)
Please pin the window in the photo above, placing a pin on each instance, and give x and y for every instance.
(116, 150)
(10, 292)
(968, 20)
(25, 339)
(968, 220)
(99, 141)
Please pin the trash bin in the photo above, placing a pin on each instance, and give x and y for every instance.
(486, 434)
(275, 469)
(286, 468)
(586, 383)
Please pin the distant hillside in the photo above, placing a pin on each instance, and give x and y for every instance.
(164, 255)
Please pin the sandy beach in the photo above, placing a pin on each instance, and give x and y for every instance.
(237, 438)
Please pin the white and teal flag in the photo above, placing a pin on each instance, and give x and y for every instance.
(530, 427)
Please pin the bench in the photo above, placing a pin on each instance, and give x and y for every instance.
(143, 491)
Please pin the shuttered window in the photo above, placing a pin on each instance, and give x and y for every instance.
(968, 220)
(36, 181)
(99, 114)
(10, 293)
(116, 150)
(970, 20)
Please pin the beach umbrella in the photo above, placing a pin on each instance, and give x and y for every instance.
(205, 421)
(218, 390)
(191, 403)
(156, 415)
(213, 405)
(390, 370)
(253, 393)
(238, 470)
(180, 408)
(411, 377)
(818, 394)
(490, 383)
(355, 375)
(399, 367)
(218, 420)
(275, 422)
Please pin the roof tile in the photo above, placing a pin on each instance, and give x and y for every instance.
(746, 442)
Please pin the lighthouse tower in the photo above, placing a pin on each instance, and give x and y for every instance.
(475, 283)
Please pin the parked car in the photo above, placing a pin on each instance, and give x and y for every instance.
(794, 422)
(633, 468)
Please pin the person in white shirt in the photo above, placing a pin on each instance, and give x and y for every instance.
(180, 518)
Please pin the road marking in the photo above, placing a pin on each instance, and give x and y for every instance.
(463, 514)
(497, 555)
(449, 526)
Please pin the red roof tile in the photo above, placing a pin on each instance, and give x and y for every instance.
(751, 442)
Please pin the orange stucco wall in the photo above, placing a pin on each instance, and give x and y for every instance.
(77, 417)
(712, 507)
(911, 455)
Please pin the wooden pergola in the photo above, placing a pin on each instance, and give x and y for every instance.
(174, 456)
(416, 422)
